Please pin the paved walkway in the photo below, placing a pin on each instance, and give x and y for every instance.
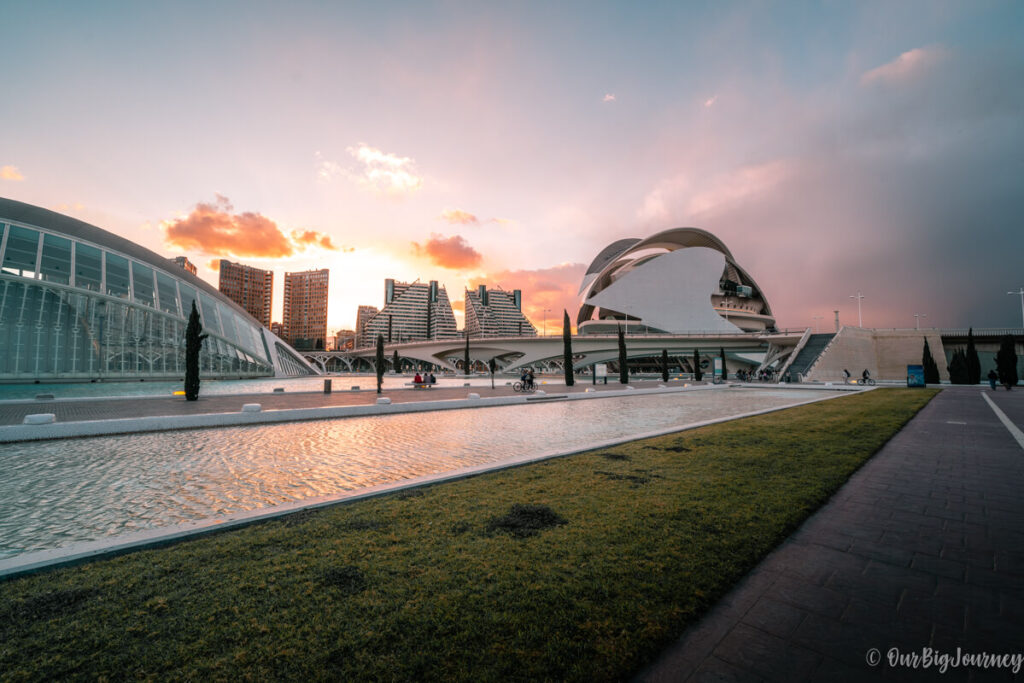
(74, 410)
(922, 548)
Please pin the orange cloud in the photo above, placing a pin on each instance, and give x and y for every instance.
(547, 289)
(214, 264)
(10, 173)
(214, 229)
(459, 217)
(449, 252)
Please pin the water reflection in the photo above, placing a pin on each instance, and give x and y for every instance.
(57, 492)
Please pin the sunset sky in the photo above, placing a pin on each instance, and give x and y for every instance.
(835, 147)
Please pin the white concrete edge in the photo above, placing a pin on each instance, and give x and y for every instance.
(1012, 428)
(79, 553)
(135, 425)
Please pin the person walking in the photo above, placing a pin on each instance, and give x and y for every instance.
(992, 379)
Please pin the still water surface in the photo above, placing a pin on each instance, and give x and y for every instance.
(55, 493)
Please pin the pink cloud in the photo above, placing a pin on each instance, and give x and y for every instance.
(459, 217)
(10, 173)
(906, 66)
(449, 252)
(551, 289)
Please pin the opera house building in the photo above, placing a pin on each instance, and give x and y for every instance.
(80, 303)
(678, 281)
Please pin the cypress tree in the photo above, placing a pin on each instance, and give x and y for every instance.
(973, 363)
(623, 367)
(697, 374)
(1006, 362)
(931, 370)
(664, 365)
(396, 362)
(567, 349)
(193, 345)
(958, 368)
(380, 361)
(466, 363)
(725, 369)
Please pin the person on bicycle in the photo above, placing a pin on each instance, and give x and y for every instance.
(529, 379)
(865, 376)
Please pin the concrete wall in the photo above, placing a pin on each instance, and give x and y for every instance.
(885, 353)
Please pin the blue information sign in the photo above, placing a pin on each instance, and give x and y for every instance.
(915, 375)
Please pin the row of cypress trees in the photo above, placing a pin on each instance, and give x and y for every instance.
(965, 366)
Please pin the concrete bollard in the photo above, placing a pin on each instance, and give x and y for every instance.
(383, 401)
(252, 408)
(473, 396)
(630, 388)
(39, 419)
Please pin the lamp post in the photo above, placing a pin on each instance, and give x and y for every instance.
(546, 311)
(816, 319)
(917, 320)
(859, 297)
(1021, 292)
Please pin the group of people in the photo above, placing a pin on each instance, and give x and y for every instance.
(766, 375)
(424, 379)
(526, 377)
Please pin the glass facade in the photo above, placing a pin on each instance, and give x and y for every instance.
(72, 309)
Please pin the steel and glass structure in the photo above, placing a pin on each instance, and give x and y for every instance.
(78, 302)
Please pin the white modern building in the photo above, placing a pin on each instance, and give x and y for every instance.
(496, 313)
(678, 281)
(80, 303)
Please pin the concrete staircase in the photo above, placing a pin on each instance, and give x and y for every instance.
(816, 343)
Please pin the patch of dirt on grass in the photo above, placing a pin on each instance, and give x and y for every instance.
(615, 456)
(47, 605)
(348, 579)
(525, 520)
(639, 478)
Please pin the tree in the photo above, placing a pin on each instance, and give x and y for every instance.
(567, 349)
(623, 367)
(380, 361)
(396, 362)
(958, 367)
(973, 363)
(193, 345)
(725, 369)
(931, 370)
(1006, 362)
(466, 364)
(664, 365)
(697, 374)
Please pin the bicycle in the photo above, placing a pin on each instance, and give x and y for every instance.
(523, 387)
(870, 381)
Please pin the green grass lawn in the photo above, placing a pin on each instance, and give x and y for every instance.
(442, 582)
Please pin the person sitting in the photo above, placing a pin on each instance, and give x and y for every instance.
(417, 379)
(431, 379)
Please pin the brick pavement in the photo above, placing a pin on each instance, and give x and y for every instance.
(923, 547)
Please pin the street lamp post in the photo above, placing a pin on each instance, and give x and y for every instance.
(816, 319)
(917, 320)
(859, 297)
(546, 311)
(1021, 292)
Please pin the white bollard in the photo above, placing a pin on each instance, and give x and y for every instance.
(39, 419)
(630, 387)
(383, 401)
(252, 408)
(540, 392)
(473, 396)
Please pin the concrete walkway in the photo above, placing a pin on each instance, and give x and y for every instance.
(922, 548)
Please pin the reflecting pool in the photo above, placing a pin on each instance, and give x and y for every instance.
(58, 492)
